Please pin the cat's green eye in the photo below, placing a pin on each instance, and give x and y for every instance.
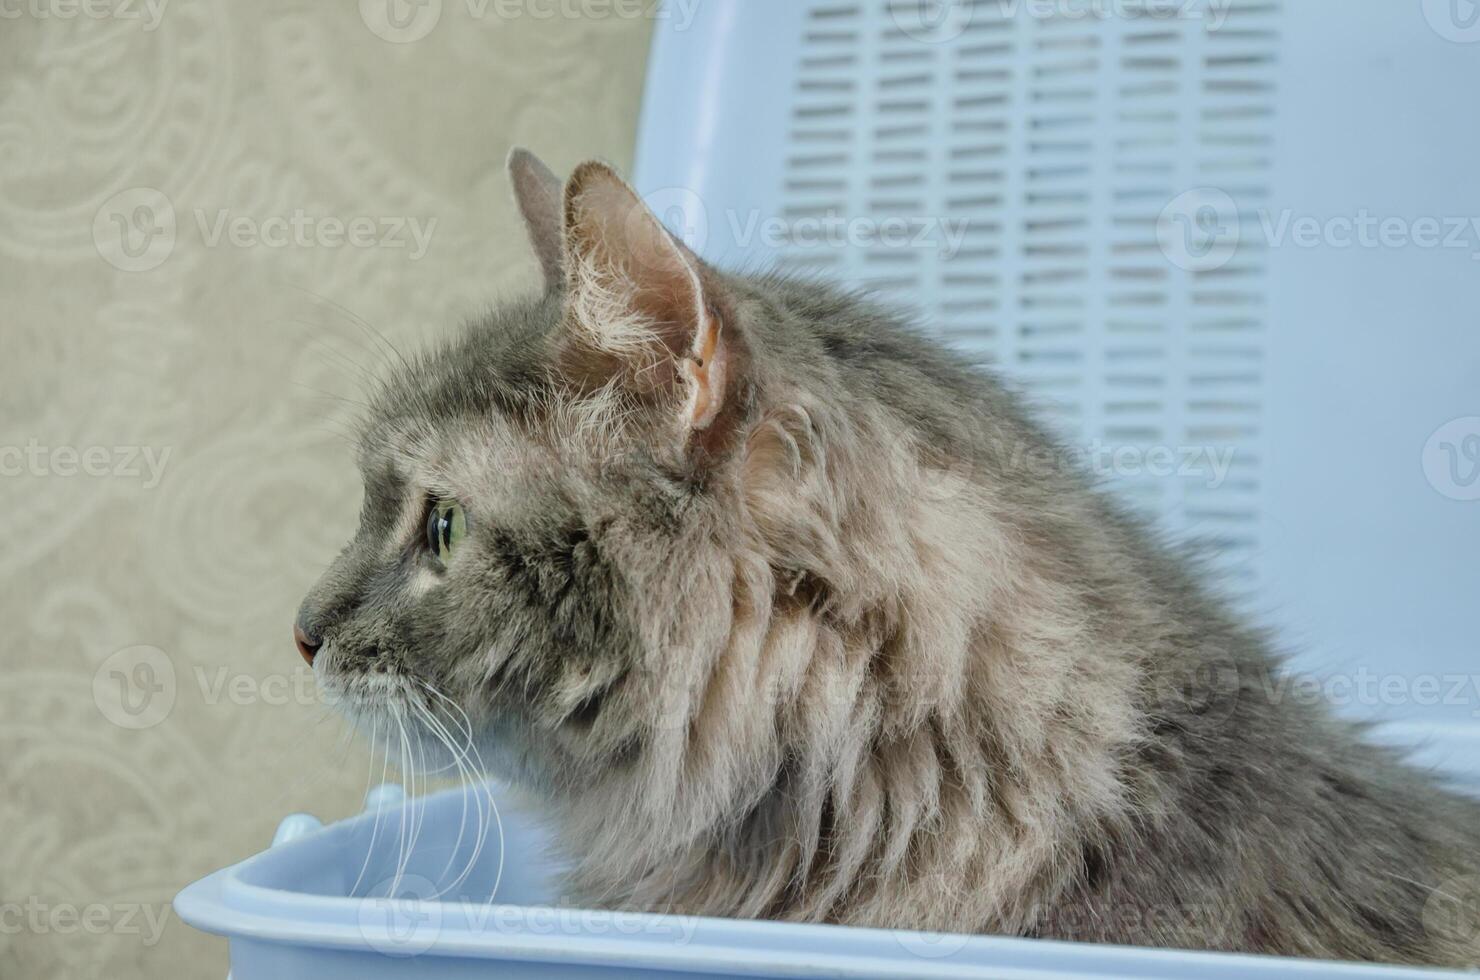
(446, 526)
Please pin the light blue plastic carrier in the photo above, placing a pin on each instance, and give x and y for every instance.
(1105, 206)
(288, 918)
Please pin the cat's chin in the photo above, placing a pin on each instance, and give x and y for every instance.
(361, 697)
(423, 734)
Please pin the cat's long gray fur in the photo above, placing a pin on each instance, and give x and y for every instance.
(783, 610)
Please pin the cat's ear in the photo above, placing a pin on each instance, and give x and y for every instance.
(638, 296)
(537, 191)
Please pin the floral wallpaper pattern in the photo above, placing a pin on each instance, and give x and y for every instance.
(216, 219)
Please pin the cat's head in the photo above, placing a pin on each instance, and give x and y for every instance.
(545, 499)
(653, 520)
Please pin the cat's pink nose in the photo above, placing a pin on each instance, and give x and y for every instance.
(306, 647)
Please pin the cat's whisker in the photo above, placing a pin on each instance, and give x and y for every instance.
(379, 809)
(487, 792)
(441, 733)
(321, 346)
(408, 769)
(467, 779)
(333, 396)
(343, 436)
(354, 319)
(419, 812)
(1431, 889)
(466, 727)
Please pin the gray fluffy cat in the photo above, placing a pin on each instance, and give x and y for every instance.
(784, 611)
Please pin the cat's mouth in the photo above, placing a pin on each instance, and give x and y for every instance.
(361, 696)
(367, 692)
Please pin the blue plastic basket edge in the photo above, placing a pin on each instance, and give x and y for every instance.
(223, 904)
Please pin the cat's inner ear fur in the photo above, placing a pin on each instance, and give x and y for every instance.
(538, 193)
(638, 297)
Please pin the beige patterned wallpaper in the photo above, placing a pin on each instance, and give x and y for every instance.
(209, 212)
